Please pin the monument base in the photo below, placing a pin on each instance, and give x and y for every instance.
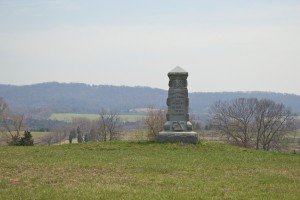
(181, 137)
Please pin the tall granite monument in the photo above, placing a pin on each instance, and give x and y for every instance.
(178, 128)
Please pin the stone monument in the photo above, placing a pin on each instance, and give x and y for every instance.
(178, 128)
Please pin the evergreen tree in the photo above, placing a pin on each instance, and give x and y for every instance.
(79, 136)
(72, 135)
(70, 138)
(86, 138)
(26, 140)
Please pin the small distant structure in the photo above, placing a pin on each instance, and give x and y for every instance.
(178, 128)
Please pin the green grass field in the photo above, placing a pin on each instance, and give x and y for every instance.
(67, 117)
(131, 170)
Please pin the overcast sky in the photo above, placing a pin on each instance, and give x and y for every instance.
(231, 45)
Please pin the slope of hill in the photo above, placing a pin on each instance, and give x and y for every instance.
(40, 100)
(129, 170)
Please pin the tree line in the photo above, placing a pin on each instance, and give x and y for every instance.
(106, 128)
(248, 122)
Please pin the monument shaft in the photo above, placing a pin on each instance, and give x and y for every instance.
(178, 102)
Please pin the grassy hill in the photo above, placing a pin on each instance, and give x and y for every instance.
(124, 170)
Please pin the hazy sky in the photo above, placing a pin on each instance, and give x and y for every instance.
(232, 45)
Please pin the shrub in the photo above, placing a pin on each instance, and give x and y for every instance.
(26, 140)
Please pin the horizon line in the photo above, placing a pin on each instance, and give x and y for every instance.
(135, 86)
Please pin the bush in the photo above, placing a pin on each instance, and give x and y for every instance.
(26, 140)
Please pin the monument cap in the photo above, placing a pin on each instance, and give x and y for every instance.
(178, 71)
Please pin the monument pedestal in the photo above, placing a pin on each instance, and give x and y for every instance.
(180, 137)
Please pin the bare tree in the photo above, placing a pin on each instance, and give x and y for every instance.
(154, 121)
(84, 124)
(272, 122)
(234, 119)
(249, 121)
(95, 132)
(3, 114)
(13, 125)
(3, 107)
(109, 122)
(194, 119)
(59, 134)
(48, 139)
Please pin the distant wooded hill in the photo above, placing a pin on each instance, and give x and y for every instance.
(40, 100)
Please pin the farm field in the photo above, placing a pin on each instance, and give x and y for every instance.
(67, 117)
(145, 170)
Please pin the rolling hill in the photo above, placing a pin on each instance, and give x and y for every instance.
(40, 100)
(147, 170)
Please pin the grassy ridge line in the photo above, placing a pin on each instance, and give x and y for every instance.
(123, 170)
(67, 117)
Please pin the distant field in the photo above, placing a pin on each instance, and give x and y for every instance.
(67, 117)
(131, 170)
(38, 134)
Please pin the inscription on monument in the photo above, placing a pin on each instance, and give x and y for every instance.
(178, 102)
(177, 105)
